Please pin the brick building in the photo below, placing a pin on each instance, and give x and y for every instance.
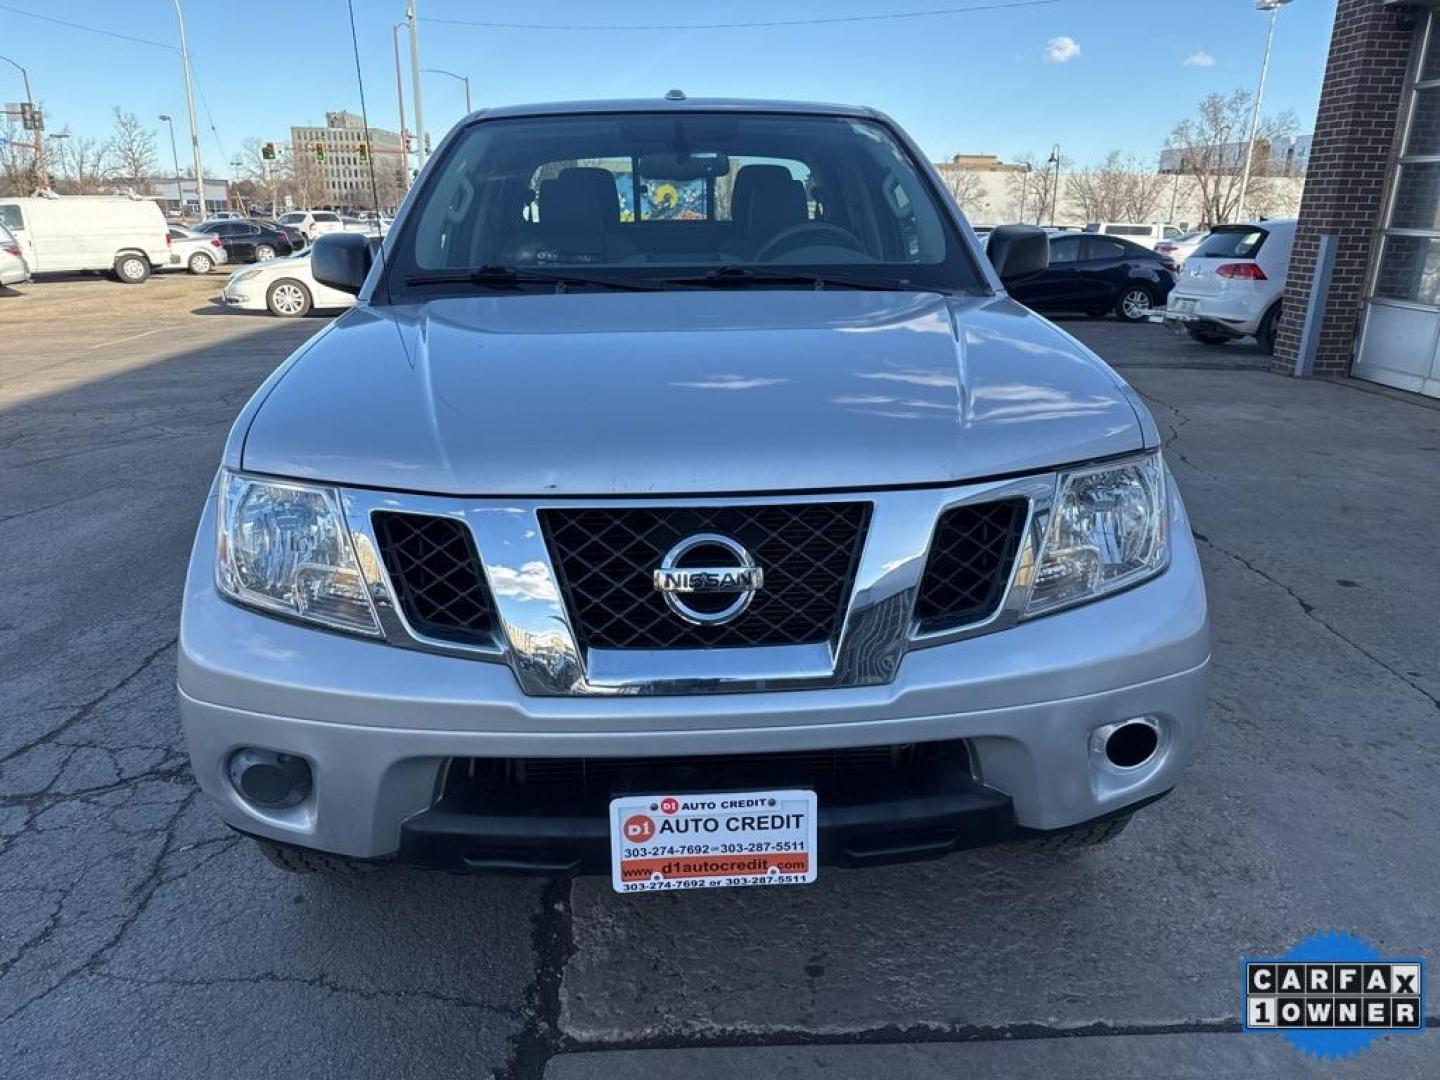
(1374, 185)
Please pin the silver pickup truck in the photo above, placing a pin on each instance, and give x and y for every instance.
(684, 500)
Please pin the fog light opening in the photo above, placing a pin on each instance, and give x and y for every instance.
(269, 779)
(1131, 745)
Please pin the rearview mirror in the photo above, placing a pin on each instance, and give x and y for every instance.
(342, 260)
(1017, 251)
(668, 165)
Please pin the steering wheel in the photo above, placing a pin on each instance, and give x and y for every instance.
(785, 238)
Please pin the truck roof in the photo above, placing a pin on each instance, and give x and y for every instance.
(679, 104)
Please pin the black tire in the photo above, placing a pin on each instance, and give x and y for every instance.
(1206, 338)
(304, 861)
(200, 263)
(264, 252)
(131, 267)
(288, 299)
(1086, 836)
(1126, 304)
(1269, 327)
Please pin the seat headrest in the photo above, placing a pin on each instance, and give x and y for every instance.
(579, 200)
(776, 201)
(747, 180)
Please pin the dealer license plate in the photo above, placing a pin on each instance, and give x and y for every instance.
(706, 841)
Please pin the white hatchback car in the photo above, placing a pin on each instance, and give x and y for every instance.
(1233, 284)
(283, 287)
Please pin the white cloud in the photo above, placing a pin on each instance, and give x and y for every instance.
(1059, 50)
(1200, 58)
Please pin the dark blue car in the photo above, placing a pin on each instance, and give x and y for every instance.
(1097, 275)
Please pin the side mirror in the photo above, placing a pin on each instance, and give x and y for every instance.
(342, 260)
(1017, 251)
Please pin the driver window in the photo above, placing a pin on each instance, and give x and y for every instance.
(1064, 251)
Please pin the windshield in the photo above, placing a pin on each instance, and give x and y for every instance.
(291, 219)
(644, 197)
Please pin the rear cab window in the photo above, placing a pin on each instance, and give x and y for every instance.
(1232, 242)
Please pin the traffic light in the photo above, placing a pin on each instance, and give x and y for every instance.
(319, 148)
(363, 149)
(30, 117)
(267, 152)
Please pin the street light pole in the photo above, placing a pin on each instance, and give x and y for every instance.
(190, 105)
(1055, 190)
(414, 24)
(463, 78)
(1024, 191)
(175, 157)
(1273, 7)
(400, 102)
(41, 179)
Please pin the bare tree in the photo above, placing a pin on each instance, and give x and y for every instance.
(131, 149)
(18, 175)
(1211, 146)
(82, 163)
(306, 182)
(1034, 185)
(967, 186)
(1120, 188)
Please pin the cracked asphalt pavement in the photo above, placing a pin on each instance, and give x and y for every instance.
(140, 938)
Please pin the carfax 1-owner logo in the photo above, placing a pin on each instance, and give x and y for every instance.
(1333, 994)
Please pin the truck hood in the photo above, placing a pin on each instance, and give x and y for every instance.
(748, 390)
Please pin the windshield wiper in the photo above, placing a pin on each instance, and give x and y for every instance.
(510, 277)
(726, 277)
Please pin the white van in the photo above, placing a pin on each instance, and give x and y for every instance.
(1146, 235)
(126, 236)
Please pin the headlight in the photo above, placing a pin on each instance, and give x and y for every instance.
(283, 547)
(1107, 531)
(246, 275)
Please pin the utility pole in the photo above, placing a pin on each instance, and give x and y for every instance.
(414, 24)
(1273, 7)
(42, 180)
(190, 104)
(1024, 191)
(400, 102)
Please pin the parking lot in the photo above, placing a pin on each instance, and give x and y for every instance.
(140, 938)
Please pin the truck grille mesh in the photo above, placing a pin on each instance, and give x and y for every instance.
(969, 566)
(606, 560)
(436, 574)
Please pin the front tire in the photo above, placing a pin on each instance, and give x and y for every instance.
(1086, 836)
(200, 263)
(304, 861)
(131, 268)
(264, 252)
(1134, 304)
(288, 299)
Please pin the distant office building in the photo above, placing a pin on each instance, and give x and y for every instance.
(1283, 157)
(346, 174)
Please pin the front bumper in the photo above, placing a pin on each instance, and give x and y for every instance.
(378, 724)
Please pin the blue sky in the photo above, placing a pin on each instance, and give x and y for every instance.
(1092, 75)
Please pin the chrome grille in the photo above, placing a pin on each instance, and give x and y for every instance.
(605, 559)
(970, 561)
